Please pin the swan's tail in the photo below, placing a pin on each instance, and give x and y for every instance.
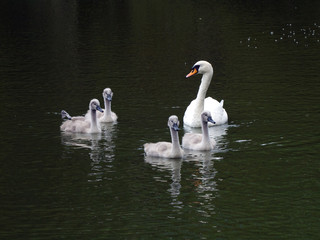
(64, 115)
(221, 103)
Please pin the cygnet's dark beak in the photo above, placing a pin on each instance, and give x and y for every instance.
(211, 120)
(99, 109)
(175, 127)
(109, 97)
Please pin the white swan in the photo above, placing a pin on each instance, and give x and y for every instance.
(107, 115)
(166, 149)
(197, 106)
(200, 142)
(81, 124)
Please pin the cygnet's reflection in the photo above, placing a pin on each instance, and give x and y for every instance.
(101, 147)
(173, 165)
(204, 176)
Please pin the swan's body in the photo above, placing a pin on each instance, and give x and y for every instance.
(200, 142)
(82, 124)
(166, 149)
(197, 106)
(107, 115)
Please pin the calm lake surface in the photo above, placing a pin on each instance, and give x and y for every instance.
(261, 182)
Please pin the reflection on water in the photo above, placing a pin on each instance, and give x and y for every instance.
(204, 176)
(173, 165)
(101, 148)
(202, 179)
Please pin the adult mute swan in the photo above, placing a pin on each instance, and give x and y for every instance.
(200, 142)
(107, 115)
(166, 149)
(81, 124)
(192, 114)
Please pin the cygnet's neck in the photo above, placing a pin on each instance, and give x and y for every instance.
(176, 150)
(107, 112)
(205, 135)
(205, 83)
(94, 125)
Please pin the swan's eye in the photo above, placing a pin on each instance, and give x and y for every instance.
(195, 69)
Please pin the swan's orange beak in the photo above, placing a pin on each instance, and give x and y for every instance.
(193, 72)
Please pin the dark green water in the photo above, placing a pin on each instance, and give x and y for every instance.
(261, 182)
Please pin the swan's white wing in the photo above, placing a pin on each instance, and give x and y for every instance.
(219, 114)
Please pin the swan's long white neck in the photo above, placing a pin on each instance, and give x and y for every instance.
(107, 110)
(205, 83)
(94, 125)
(175, 142)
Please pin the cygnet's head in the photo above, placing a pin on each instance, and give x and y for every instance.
(107, 94)
(200, 67)
(206, 117)
(173, 122)
(95, 105)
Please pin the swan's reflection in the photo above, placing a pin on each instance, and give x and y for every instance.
(173, 165)
(101, 148)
